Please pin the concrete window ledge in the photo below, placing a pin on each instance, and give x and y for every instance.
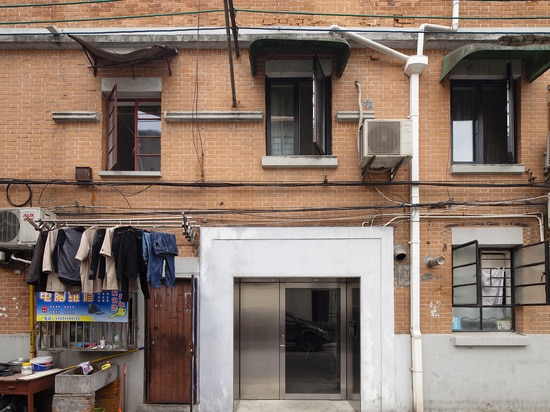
(66, 117)
(490, 339)
(219, 116)
(487, 169)
(304, 162)
(113, 174)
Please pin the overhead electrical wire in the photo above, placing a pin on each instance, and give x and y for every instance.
(68, 3)
(288, 184)
(287, 12)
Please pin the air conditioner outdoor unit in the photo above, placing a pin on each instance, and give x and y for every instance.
(15, 231)
(385, 144)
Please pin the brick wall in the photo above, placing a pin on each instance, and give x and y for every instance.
(38, 82)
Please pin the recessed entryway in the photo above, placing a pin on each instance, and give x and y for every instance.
(297, 340)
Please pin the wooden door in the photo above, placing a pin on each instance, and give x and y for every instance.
(169, 343)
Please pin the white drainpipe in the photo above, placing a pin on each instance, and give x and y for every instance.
(414, 66)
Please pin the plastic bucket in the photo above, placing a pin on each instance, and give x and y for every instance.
(42, 363)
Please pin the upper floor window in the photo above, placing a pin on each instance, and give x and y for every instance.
(489, 282)
(133, 133)
(132, 125)
(483, 115)
(298, 111)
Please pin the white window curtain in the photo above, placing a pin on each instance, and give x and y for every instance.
(492, 286)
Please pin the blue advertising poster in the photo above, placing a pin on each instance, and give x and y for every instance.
(81, 307)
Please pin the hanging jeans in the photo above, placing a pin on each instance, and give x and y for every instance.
(159, 251)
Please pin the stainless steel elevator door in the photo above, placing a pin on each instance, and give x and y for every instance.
(259, 341)
(291, 340)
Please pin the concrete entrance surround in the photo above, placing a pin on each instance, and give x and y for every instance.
(319, 252)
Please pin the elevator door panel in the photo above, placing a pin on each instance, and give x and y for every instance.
(259, 341)
(313, 330)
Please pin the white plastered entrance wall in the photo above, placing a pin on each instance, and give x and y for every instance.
(316, 252)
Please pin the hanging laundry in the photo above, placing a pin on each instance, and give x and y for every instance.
(126, 250)
(53, 283)
(159, 250)
(36, 275)
(84, 254)
(66, 265)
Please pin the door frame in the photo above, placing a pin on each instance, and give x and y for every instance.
(366, 253)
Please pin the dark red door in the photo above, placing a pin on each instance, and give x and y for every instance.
(169, 343)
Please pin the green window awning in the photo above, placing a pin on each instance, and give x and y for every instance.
(271, 46)
(535, 56)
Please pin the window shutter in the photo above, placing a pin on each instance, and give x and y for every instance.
(112, 128)
(530, 274)
(466, 267)
(319, 103)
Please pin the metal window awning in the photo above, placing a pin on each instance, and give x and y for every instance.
(271, 46)
(99, 57)
(536, 57)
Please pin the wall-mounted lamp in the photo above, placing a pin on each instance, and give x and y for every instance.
(399, 252)
(432, 262)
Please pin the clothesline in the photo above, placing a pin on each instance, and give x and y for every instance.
(95, 259)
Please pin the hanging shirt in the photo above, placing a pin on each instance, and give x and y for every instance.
(84, 254)
(66, 247)
(110, 282)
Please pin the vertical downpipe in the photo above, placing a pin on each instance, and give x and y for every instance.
(416, 336)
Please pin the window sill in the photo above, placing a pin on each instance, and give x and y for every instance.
(124, 173)
(489, 339)
(487, 169)
(279, 162)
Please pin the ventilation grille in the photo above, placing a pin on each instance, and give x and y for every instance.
(9, 226)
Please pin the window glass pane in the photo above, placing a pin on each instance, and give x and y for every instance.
(497, 319)
(463, 140)
(149, 163)
(282, 119)
(466, 319)
(464, 275)
(149, 120)
(465, 295)
(149, 145)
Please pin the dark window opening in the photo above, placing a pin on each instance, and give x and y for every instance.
(483, 115)
(133, 134)
(298, 120)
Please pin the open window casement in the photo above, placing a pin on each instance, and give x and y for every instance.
(319, 107)
(112, 128)
(529, 275)
(466, 266)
